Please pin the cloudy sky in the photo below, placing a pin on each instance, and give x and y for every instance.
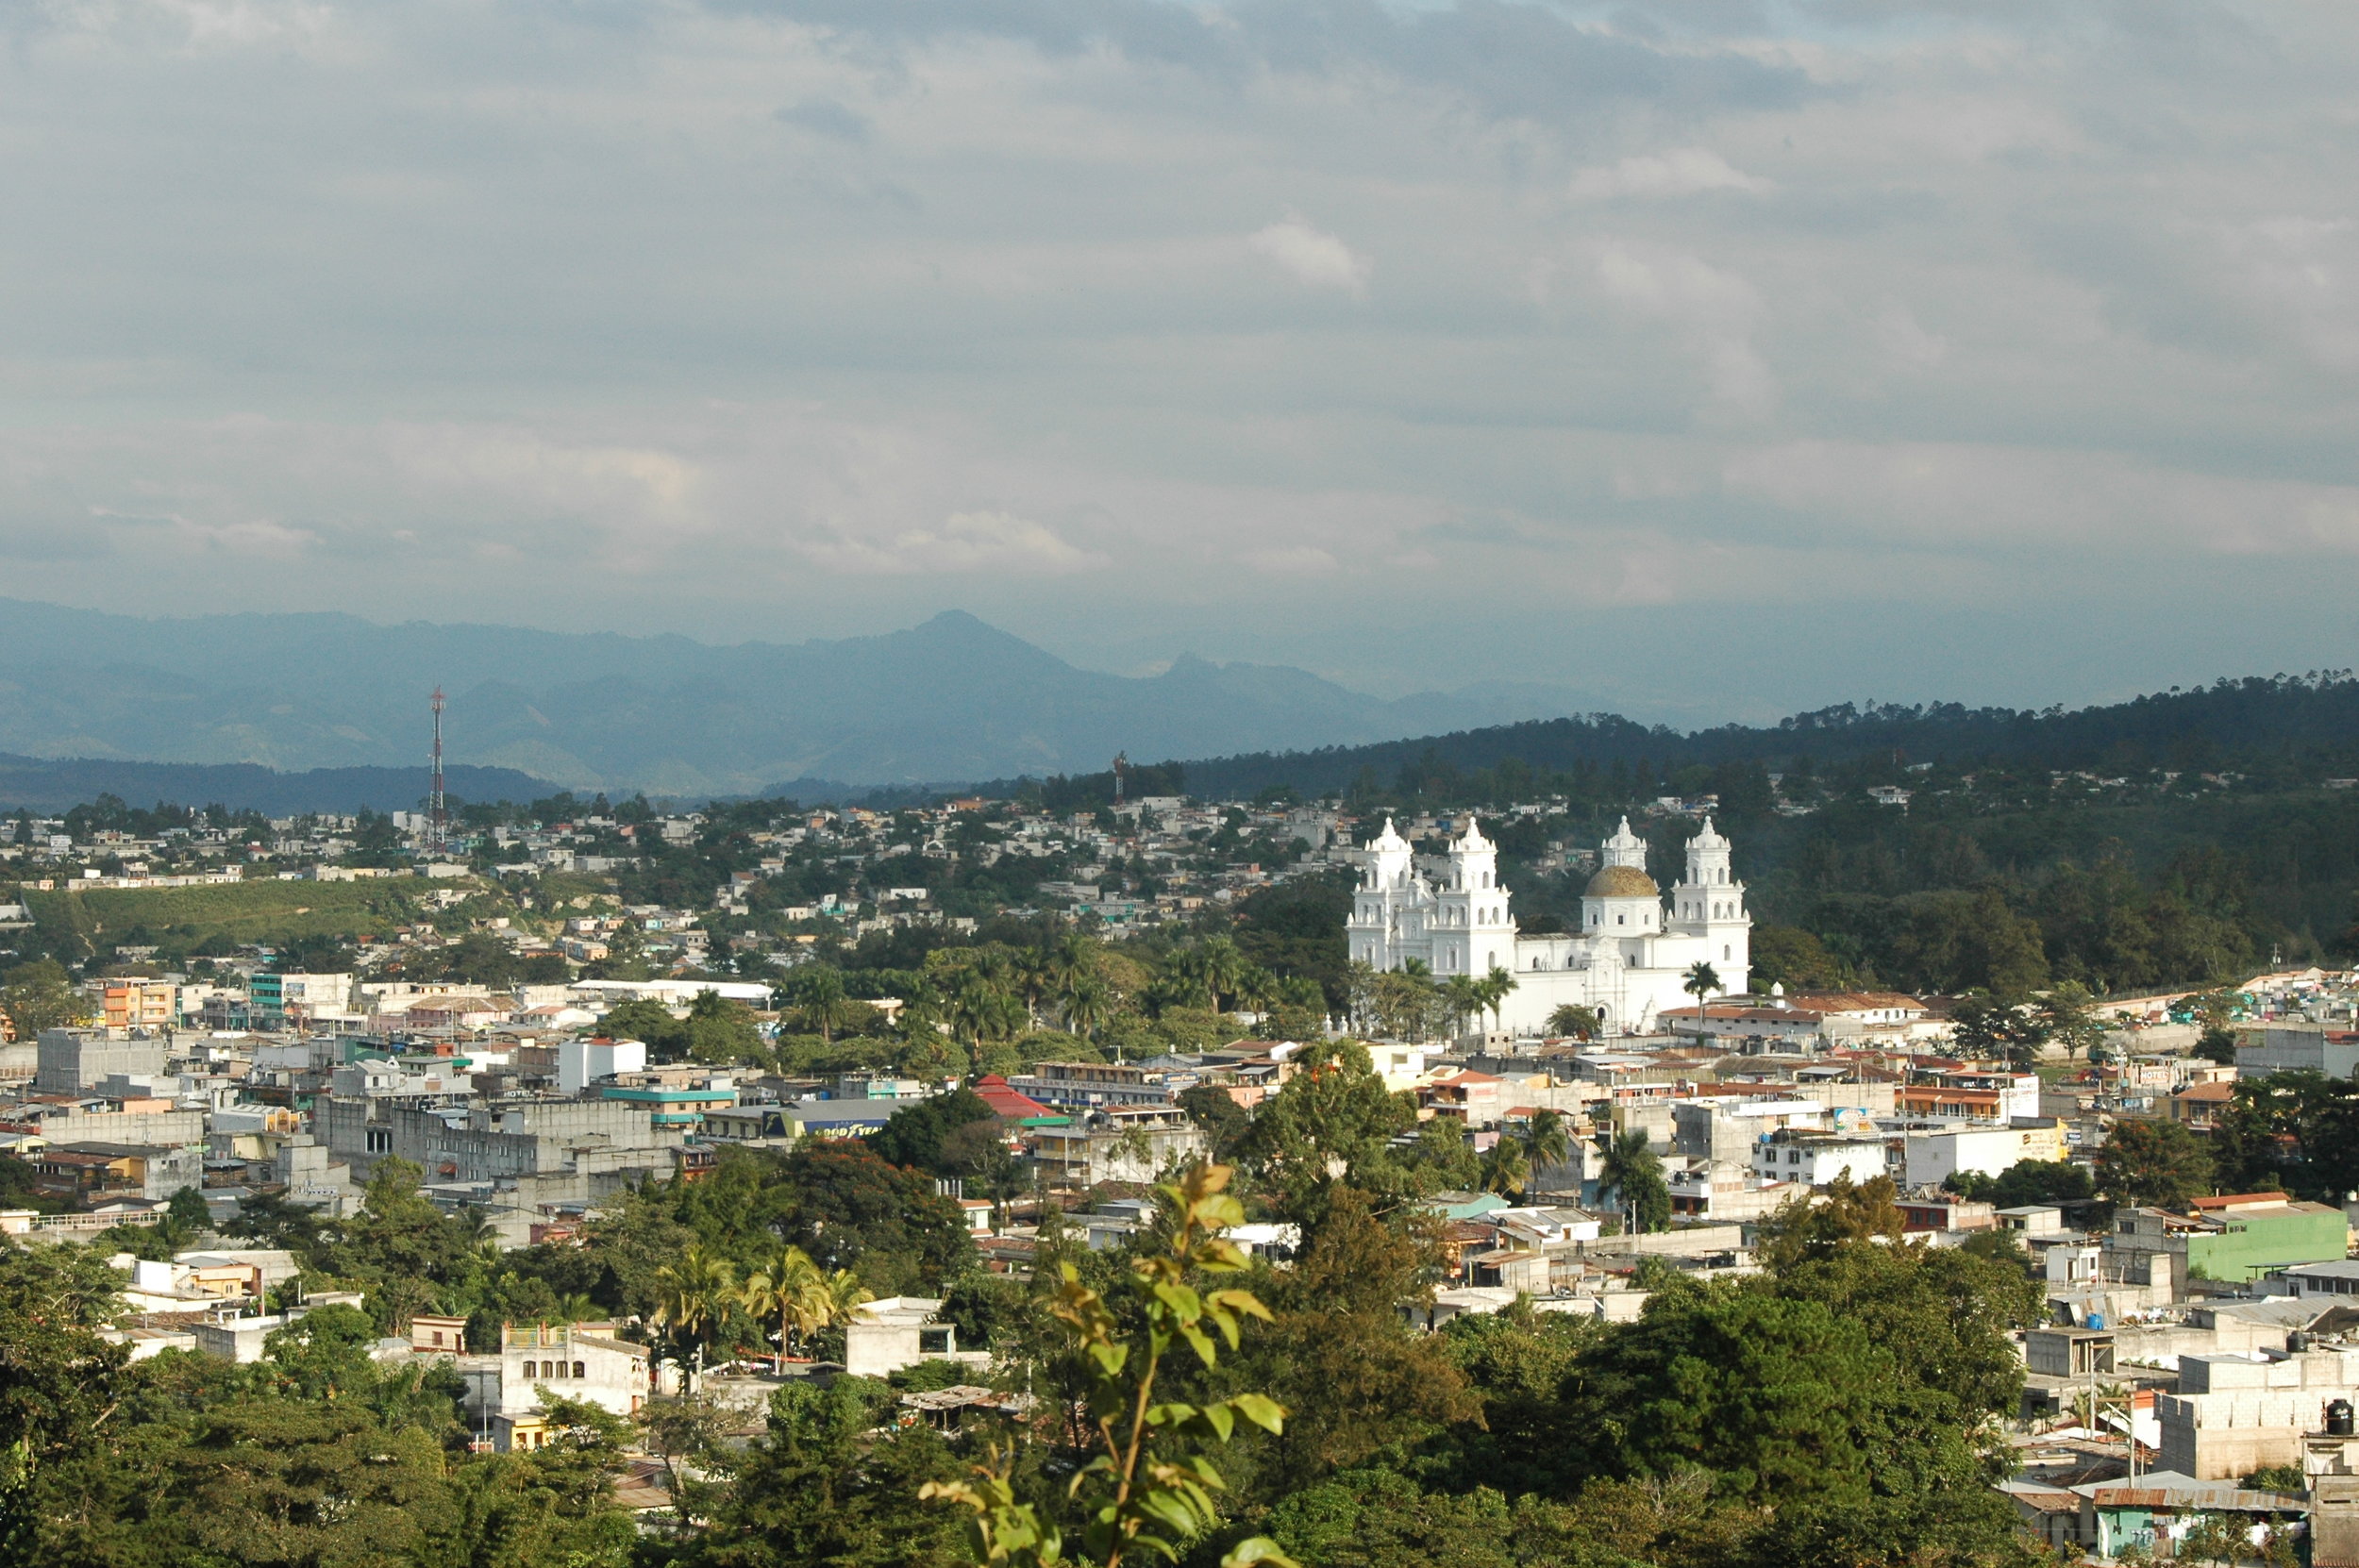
(1709, 359)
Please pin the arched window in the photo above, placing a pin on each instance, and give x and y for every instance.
(581, 1369)
(530, 1368)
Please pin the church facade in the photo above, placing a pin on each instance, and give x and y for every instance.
(1629, 959)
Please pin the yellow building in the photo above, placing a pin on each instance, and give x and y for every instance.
(141, 1004)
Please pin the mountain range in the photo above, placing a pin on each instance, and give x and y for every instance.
(951, 699)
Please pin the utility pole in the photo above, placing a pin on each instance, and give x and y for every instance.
(437, 817)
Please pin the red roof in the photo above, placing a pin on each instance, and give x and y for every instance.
(1006, 1103)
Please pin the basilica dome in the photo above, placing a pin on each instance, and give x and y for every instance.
(1621, 882)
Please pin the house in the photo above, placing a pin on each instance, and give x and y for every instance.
(2199, 1105)
(1929, 1159)
(2152, 1514)
(2239, 1235)
(884, 1336)
(1814, 1157)
(116, 1170)
(2232, 1414)
(1009, 1106)
(1113, 1145)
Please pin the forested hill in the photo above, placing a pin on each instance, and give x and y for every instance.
(2308, 723)
(2185, 838)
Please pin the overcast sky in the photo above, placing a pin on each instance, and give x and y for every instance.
(1711, 360)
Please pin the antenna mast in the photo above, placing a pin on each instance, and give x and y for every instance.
(1122, 770)
(438, 818)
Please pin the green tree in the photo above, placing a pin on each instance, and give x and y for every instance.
(2148, 1163)
(1506, 1170)
(831, 1480)
(1572, 1018)
(38, 995)
(1805, 1229)
(1332, 1126)
(650, 1023)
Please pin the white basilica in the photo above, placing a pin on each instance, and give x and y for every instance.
(1629, 961)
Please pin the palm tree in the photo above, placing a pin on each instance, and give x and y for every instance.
(693, 1300)
(1544, 1140)
(817, 992)
(1632, 1171)
(1461, 998)
(1702, 980)
(840, 1294)
(1088, 1005)
(1505, 1171)
(1495, 986)
(782, 1289)
(983, 1010)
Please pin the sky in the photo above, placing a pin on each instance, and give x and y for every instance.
(1706, 360)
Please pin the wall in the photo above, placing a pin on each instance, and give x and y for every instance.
(70, 1061)
(2270, 1241)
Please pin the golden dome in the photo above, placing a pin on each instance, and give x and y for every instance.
(1622, 882)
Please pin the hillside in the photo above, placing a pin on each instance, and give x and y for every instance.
(53, 785)
(2311, 721)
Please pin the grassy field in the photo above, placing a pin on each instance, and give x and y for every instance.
(240, 911)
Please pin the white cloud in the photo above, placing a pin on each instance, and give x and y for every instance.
(1314, 259)
(1714, 311)
(1682, 172)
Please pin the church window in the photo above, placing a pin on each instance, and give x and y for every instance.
(1724, 950)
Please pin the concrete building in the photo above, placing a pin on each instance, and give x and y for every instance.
(2240, 1237)
(2233, 1415)
(1728, 1128)
(71, 1062)
(2284, 1047)
(91, 1170)
(503, 1138)
(583, 1062)
(127, 1005)
(1135, 1145)
(1814, 1157)
(884, 1336)
(1929, 1159)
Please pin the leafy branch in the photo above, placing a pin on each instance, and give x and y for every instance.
(1138, 1490)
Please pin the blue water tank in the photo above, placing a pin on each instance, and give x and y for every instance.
(2097, 1320)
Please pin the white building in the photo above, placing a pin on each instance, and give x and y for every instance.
(1629, 961)
(1816, 1158)
(1932, 1158)
(583, 1062)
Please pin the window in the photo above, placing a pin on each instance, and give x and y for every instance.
(530, 1368)
(581, 1369)
(438, 1336)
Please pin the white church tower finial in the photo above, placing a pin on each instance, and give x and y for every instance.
(1625, 848)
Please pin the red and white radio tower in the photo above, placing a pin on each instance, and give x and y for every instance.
(438, 819)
